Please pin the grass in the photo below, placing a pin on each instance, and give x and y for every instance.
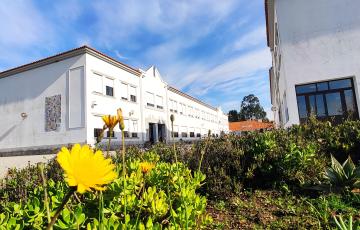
(271, 209)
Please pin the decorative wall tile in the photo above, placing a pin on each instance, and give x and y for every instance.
(52, 113)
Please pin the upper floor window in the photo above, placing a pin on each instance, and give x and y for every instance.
(150, 100)
(98, 83)
(334, 100)
(133, 94)
(159, 102)
(109, 86)
(124, 91)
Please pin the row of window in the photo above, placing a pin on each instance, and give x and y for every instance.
(127, 134)
(191, 135)
(329, 99)
(182, 109)
(105, 86)
(131, 130)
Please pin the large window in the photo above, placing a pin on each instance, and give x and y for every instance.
(330, 100)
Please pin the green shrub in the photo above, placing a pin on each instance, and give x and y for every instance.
(162, 197)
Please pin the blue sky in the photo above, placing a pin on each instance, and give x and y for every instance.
(213, 50)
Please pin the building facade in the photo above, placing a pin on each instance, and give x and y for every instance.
(60, 100)
(315, 48)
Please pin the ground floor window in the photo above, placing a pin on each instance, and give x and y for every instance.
(329, 100)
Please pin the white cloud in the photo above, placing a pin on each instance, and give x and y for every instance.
(240, 66)
(251, 39)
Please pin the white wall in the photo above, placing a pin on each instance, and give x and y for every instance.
(99, 104)
(25, 93)
(319, 41)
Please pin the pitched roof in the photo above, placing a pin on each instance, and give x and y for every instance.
(249, 125)
(69, 54)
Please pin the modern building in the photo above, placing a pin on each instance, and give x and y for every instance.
(60, 100)
(315, 48)
(240, 127)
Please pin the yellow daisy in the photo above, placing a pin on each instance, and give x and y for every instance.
(110, 121)
(85, 169)
(146, 166)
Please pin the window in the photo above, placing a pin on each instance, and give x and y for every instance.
(332, 100)
(150, 100)
(109, 86)
(184, 134)
(176, 134)
(97, 132)
(175, 107)
(133, 128)
(198, 135)
(159, 102)
(124, 91)
(98, 83)
(133, 94)
(192, 134)
(112, 134)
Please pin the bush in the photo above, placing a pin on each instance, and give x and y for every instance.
(159, 195)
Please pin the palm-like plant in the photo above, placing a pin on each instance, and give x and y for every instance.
(343, 177)
(350, 225)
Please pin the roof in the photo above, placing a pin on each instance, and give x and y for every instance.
(69, 54)
(250, 125)
(172, 89)
(269, 17)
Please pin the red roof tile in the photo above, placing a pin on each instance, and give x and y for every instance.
(250, 125)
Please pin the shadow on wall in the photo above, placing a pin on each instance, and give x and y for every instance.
(10, 130)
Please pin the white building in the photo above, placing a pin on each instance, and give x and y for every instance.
(59, 100)
(315, 49)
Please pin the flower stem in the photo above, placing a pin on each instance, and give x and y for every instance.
(108, 147)
(124, 172)
(46, 200)
(61, 207)
(101, 211)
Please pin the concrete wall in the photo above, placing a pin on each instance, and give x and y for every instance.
(319, 40)
(22, 107)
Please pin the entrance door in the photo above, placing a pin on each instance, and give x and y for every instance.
(161, 132)
(152, 133)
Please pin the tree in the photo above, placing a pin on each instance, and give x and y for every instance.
(251, 108)
(233, 116)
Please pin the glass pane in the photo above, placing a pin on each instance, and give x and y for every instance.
(302, 106)
(333, 101)
(350, 103)
(306, 88)
(320, 107)
(340, 84)
(312, 105)
(322, 86)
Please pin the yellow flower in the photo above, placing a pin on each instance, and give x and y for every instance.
(146, 166)
(85, 169)
(120, 119)
(110, 121)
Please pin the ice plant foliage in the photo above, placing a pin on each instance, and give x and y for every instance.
(85, 169)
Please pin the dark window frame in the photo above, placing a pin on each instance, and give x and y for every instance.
(107, 92)
(321, 92)
(133, 98)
